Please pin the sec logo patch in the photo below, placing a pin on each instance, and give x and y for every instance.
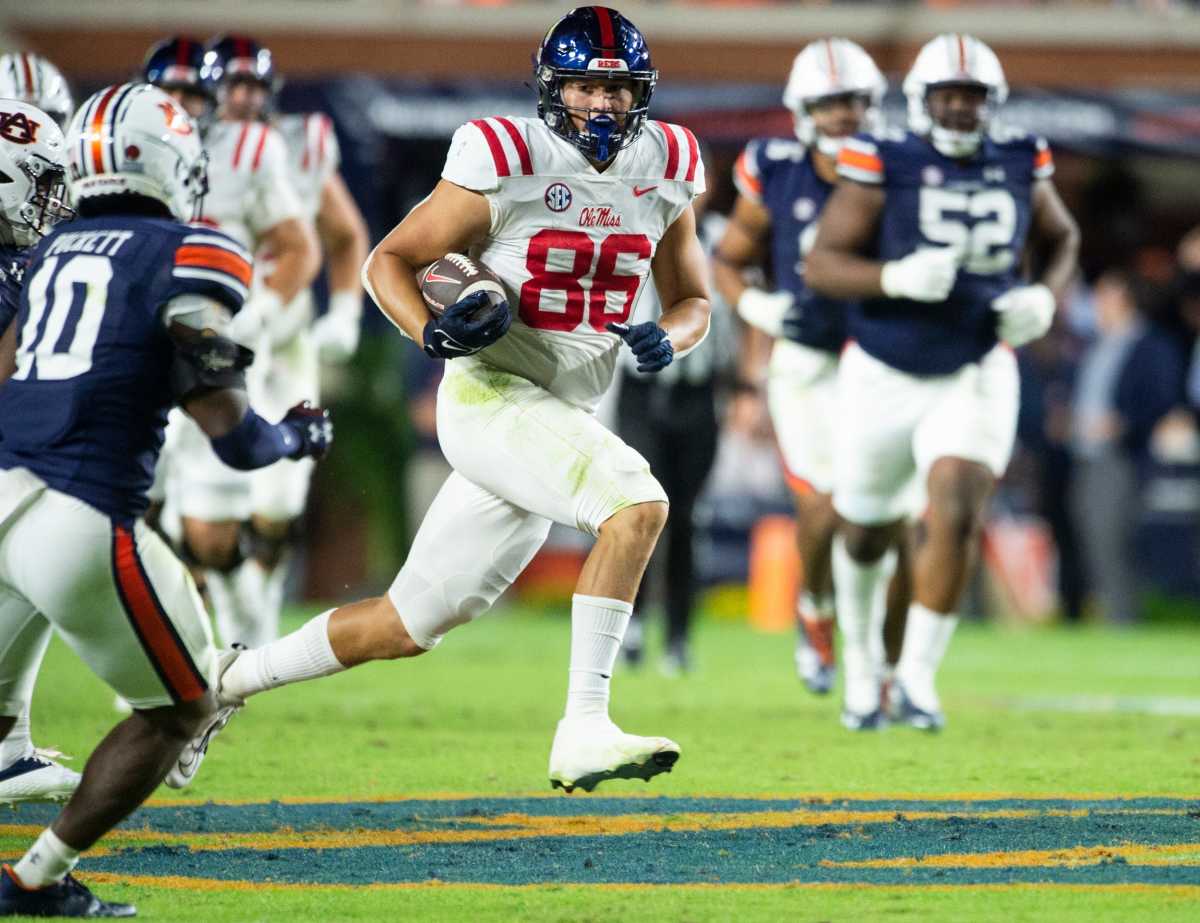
(558, 197)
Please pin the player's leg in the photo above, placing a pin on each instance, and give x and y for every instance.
(129, 609)
(878, 412)
(963, 444)
(802, 399)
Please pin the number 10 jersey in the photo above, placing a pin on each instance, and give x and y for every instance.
(572, 246)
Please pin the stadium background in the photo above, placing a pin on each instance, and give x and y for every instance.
(1077, 747)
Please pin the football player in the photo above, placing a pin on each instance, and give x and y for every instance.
(928, 231)
(34, 80)
(834, 89)
(297, 345)
(252, 198)
(572, 210)
(123, 314)
(32, 201)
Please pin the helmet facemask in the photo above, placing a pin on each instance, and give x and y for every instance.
(955, 131)
(829, 145)
(604, 134)
(46, 205)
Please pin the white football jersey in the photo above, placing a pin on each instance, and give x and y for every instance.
(571, 245)
(249, 187)
(313, 156)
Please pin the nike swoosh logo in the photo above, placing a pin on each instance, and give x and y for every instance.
(638, 193)
(434, 277)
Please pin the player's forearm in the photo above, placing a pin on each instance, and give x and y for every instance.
(297, 259)
(728, 278)
(391, 281)
(686, 323)
(1062, 263)
(838, 274)
(345, 253)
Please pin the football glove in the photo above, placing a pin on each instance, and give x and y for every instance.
(466, 327)
(1025, 313)
(650, 344)
(313, 427)
(764, 310)
(923, 275)
(336, 333)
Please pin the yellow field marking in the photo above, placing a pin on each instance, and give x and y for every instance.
(1182, 892)
(524, 826)
(1175, 854)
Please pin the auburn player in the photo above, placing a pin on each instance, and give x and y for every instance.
(251, 197)
(928, 230)
(122, 316)
(834, 89)
(572, 210)
(32, 79)
(32, 200)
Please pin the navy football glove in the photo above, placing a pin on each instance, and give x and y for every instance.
(649, 342)
(313, 427)
(466, 327)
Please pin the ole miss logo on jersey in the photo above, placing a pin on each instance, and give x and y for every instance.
(18, 128)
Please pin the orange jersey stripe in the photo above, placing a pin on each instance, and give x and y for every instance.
(214, 258)
(1042, 159)
(751, 181)
(860, 161)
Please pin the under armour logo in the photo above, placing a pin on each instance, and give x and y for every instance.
(213, 361)
(319, 433)
(18, 128)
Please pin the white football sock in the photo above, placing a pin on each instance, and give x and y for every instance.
(861, 592)
(304, 654)
(49, 859)
(222, 590)
(17, 744)
(926, 637)
(597, 629)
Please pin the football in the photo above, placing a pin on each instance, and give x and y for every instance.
(453, 278)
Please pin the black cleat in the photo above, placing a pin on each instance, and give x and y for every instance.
(872, 721)
(68, 898)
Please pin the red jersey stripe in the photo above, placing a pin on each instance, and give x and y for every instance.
(262, 141)
(207, 257)
(520, 145)
(28, 74)
(237, 151)
(693, 154)
(672, 150)
(159, 639)
(323, 125)
(493, 141)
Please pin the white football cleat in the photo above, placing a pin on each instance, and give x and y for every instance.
(193, 752)
(588, 751)
(38, 777)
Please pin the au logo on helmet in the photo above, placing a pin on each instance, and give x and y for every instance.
(176, 120)
(18, 128)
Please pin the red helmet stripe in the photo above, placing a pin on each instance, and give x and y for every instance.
(520, 145)
(833, 69)
(962, 54)
(237, 151)
(28, 68)
(241, 47)
(693, 154)
(608, 38)
(497, 149)
(97, 131)
(672, 150)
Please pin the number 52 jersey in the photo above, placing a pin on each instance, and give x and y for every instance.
(980, 206)
(572, 245)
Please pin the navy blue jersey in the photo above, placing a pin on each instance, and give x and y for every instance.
(86, 406)
(981, 206)
(12, 272)
(779, 174)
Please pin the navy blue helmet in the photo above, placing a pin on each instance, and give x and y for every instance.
(230, 57)
(588, 43)
(176, 63)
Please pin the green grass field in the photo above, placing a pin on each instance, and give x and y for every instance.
(1012, 813)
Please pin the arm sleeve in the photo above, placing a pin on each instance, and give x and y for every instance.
(255, 443)
(861, 161)
(274, 198)
(213, 266)
(469, 162)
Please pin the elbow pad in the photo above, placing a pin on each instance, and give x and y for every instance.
(208, 363)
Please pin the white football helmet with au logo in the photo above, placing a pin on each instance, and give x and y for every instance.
(953, 60)
(32, 161)
(34, 80)
(133, 138)
(831, 67)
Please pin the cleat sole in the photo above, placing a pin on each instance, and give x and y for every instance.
(663, 761)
